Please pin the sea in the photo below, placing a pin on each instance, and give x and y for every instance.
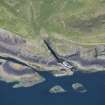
(39, 94)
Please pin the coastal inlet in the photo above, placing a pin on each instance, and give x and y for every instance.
(86, 59)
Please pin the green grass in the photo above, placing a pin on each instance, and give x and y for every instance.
(29, 17)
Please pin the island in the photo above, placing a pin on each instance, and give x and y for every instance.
(57, 89)
(78, 87)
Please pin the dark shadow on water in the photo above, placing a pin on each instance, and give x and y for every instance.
(39, 95)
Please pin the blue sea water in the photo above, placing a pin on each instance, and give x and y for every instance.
(39, 95)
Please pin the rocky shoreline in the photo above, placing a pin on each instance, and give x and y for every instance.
(85, 59)
(15, 45)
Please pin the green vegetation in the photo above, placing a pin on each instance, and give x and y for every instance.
(78, 20)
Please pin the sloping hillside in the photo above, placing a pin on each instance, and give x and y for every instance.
(82, 21)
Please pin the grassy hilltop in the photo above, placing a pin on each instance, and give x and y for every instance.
(78, 20)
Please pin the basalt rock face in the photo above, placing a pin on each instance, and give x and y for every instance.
(10, 43)
(10, 39)
(95, 52)
(88, 53)
(15, 45)
(82, 57)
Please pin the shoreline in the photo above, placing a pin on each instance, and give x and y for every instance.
(85, 61)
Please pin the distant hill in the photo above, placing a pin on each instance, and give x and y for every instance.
(77, 20)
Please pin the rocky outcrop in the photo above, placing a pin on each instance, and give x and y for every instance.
(15, 45)
(57, 89)
(84, 58)
(10, 39)
(93, 53)
(78, 87)
(20, 75)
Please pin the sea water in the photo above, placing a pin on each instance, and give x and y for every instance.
(39, 95)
